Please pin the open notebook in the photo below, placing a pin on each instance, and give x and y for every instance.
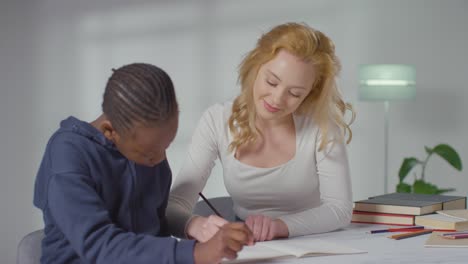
(290, 248)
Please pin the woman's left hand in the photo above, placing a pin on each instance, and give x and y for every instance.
(265, 228)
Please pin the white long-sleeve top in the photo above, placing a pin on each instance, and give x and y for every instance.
(311, 193)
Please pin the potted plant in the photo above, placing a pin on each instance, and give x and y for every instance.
(445, 151)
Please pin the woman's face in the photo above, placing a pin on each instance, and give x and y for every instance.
(281, 85)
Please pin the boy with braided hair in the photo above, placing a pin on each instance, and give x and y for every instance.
(103, 186)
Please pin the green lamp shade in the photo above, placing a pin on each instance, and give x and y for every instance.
(387, 82)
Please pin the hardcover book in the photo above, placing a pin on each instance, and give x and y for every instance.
(381, 218)
(410, 203)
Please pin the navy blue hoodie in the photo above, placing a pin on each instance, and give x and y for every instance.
(99, 207)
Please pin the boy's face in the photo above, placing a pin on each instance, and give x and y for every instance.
(147, 145)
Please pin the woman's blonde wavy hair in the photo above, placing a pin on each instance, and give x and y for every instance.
(324, 102)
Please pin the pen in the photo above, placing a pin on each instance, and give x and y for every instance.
(411, 234)
(402, 229)
(210, 205)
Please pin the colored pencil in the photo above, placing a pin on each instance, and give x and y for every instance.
(456, 236)
(455, 233)
(443, 230)
(410, 234)
(402, 229)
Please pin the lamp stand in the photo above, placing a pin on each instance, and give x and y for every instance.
(386, 116)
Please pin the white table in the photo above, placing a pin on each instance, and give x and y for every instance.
(381, 249)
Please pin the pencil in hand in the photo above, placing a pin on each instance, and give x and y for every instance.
(210, 205)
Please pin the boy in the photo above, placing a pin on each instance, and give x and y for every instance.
(103, 186)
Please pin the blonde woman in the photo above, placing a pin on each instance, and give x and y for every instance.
(281, 143)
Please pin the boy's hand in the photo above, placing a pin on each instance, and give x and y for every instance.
(265, 228)
(225, 243)
(203, 228)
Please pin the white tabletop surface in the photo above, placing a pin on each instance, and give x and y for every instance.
(381, 249)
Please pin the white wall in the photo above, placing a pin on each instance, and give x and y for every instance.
(56, 55)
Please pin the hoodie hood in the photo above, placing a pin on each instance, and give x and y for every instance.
(72, 137)
(85, 129)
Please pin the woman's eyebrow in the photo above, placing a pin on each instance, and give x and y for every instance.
(274, 75)
(291, 87)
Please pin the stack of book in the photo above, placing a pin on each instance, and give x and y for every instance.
(406, 209)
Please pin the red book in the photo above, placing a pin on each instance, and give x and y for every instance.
(382, 218)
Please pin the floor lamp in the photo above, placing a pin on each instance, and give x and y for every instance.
(386, 82)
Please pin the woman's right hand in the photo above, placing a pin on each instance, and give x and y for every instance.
(225, 244)
(204, 228)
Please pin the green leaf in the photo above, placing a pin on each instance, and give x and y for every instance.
(421, 186)
(449, 154)
(403, 188)
(439, 191)
(406, 166)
